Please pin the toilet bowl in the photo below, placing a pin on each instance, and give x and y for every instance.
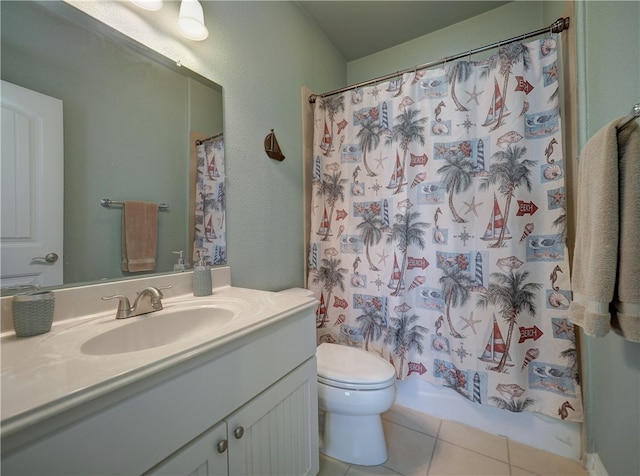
(354, 388)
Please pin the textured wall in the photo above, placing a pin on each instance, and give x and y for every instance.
(609, 69)
(501, 23)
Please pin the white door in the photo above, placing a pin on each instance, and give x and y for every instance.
(32, 188)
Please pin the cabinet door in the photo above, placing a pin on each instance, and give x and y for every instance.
(276, 433)
(204, 456)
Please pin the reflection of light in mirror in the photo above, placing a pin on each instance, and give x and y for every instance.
(191, 20)
(152, 5)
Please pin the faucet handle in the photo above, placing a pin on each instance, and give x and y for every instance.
(124, 306)
(159, 288)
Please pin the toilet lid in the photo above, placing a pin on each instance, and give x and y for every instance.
(348, 367)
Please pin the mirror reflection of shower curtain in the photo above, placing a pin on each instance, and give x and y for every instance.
(210, 228)
(439, 227)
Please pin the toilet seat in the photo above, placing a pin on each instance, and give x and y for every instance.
(352, 368)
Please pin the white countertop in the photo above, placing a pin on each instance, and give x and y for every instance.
(46, 374)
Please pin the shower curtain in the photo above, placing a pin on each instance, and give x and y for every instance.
(210, 229)
(439, 225)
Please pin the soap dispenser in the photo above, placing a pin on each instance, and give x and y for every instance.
(179, 266)
(202, 285)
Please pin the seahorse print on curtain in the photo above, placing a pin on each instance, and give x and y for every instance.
(439, 228)
(210, 228)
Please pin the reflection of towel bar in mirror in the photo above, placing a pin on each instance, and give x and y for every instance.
(105, 202)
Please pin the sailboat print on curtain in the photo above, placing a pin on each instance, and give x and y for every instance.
(496, 224)
(496, 347)
(398, 179)
(497, 105)
(437, 235)
(326, 140)
(397, 280)
(210, 228)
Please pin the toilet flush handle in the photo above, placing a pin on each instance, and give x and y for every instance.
(238, 432)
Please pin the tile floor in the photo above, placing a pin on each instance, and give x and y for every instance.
(420, 444)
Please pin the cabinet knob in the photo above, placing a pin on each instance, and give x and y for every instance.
(222, 446)
(238, 432)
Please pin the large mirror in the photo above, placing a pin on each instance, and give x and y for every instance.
(130, 120)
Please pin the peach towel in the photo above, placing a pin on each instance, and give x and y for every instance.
(139, 236)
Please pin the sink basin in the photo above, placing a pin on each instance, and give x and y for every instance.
(159, 328)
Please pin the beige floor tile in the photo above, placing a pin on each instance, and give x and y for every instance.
(474, 440)
(541, 462)
(452, 460)
(515, 471)
(355, 470)
(418, 421)
(332, 467)
(409, 451)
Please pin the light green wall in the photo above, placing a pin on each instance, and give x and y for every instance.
(504, 22)
(205, 109)
(270, 51)
(552, 10)
(609, 83)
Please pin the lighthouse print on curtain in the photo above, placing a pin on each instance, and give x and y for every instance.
(439, 226)
(210, 235)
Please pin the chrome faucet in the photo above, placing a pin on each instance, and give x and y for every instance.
(147, 300)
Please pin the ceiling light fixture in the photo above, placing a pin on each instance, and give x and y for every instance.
(191, 20)
(152, 5)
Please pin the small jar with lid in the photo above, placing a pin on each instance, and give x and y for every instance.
(33, 313)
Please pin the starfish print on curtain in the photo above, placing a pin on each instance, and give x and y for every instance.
(439, 242)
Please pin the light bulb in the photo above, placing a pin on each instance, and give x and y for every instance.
(151, 5)
(191, 20)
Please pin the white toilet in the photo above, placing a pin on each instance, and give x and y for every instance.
(354, 388)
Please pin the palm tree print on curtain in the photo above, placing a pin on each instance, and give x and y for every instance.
(439, 225)
(210, 235)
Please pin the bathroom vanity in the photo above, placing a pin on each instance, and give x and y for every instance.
(237, 398)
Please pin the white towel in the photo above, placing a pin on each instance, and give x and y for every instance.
(606, 259)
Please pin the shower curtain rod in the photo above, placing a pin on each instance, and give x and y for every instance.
(202, 141)
(557, 26)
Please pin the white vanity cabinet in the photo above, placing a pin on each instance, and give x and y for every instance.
(172, 422)
(205, 456)
(269, 435)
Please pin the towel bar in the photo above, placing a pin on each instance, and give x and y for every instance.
(634, 114)
(106, 202)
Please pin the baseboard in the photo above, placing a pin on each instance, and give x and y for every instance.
(595, 466)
